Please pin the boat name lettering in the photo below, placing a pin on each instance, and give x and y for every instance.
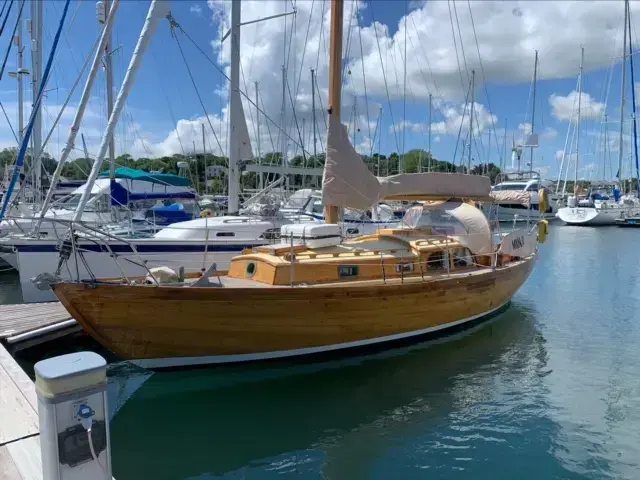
(517, 243)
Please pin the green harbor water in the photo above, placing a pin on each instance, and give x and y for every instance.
(549, 389)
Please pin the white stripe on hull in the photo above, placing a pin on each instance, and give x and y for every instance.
(159, 363)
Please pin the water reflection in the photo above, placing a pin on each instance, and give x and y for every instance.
(396, 414)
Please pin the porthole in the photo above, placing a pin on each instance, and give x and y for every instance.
(251, 269)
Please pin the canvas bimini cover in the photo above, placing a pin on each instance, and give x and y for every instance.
(477, 231)
(347, 182)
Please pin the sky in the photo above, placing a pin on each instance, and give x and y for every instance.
(395, 53)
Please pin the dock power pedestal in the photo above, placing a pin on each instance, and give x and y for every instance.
(74, 428)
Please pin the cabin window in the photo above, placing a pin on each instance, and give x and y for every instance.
(404, 267)
(271, 234)
(348, 271)
(462, 258)
(352, 231)
(251, 269)
(436, 261)
(225, 234)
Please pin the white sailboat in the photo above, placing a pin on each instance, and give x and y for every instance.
(603, 204)
(193, 244)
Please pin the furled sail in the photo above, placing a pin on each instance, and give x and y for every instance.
(246, 153)
(410, 186)
(511, 196)
(346, 181)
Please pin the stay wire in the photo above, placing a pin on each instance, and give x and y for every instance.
(15, 27)
(206, 56)
(4, 22)
(193, 82)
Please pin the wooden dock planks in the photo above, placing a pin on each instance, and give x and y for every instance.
(19, 430)
(19, 319)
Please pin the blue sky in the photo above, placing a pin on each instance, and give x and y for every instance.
(507, 33)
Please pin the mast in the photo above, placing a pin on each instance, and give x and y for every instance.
(533, 110)
(335, 80)
(108, 70)
(575, 183)
(204, 159)
(429, 144)
(157, 11)
(36, 70)
(18, 76)
(260, 176)
(313, 114)
(473, 82)
(504, 147)
(380, 144)
(84, 100)
(624, 79)
(633, 103)
(606, 158)
(234, 100)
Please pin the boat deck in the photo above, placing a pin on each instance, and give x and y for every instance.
(34, 322)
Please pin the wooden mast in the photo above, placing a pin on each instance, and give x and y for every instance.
(335, 80)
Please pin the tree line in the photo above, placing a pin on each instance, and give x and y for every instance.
(416, 160)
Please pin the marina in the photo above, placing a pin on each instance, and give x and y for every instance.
(231, 247)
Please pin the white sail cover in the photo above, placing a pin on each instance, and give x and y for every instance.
(346, 181)
(478, 238)
(435, 184)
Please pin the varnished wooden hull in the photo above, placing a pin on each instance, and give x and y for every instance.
(176, 326)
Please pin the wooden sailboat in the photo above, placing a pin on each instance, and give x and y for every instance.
(314, 292)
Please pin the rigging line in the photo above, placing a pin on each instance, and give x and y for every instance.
(477, 122)
(384, 75)
(295, 118)
(375, 134)
(395, 71)
(455, 45)
(364, 81)
(273, 146)
(324, 117)
(320, 42)
(464, 109)
(4, 22)
(244, 80)
(304, 50)
(197, 92)
(484, 80)
(261, 111)
(15, 27)
(347, 50)
(9, 122)
(164, 92)
(68, 99)
(404, 96)
(439, 105)
(4, 4)
(464, 57)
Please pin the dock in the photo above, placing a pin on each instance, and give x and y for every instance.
(26, 325)
(20, 456)
(19, 429)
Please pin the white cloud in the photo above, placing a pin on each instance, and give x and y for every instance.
(556, 29)
(565, 108)
(196, 9)
(549, 133)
